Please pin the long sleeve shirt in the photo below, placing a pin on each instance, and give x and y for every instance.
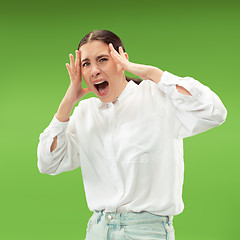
(131, 151)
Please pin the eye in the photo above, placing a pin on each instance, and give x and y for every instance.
(84, 64)
(103, 59)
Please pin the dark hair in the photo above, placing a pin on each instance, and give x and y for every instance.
(107, 37)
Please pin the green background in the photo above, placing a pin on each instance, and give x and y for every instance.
(187, 38)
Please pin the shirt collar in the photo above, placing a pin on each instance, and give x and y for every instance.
(128, 90)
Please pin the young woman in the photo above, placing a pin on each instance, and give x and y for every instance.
(129, 140)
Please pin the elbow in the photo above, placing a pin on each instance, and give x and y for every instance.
(215, 119)
(45, 161)
(46, 171)
(216, 114)
(45, 168)
(42, 169)
(222, 115)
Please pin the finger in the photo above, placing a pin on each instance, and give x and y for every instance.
(69, 70)
(115, 56)
(118, 55)
(72, 62)
(114, 53)
(77, 61)
(119, 59)
(112, 48)
(121, 51)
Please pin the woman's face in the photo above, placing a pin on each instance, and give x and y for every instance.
(97, 65)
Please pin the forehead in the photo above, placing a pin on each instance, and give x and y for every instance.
(93, 49)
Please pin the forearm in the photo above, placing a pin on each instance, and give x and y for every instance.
(64, 110)
(67, 104)
(155, 74)
(63, 113)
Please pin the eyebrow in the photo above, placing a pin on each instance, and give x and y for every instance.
(100, 56)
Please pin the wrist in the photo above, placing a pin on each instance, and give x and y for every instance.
(73, 95)
(65, 109)
(154, 74)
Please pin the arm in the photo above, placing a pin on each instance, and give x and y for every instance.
(64, 156)
(62, 114)
(197, 107)
(155, 74)
(74, 93)
(195, 113)
(143, 71)
(57, 149)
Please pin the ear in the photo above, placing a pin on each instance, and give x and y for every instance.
(126, 55)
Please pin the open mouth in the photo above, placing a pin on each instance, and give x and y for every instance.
(102, 88)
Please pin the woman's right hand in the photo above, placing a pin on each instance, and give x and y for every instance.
(75, 91)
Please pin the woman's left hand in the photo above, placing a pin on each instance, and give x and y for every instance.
(134, 68)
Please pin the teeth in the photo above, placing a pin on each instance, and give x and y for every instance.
(99, 82)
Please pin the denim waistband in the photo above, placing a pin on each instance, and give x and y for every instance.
(131, 218)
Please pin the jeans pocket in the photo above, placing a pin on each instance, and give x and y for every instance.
(145, 231)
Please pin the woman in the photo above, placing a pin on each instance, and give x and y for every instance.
(129, 140)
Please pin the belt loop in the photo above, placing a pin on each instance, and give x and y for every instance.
(98, 216)
(170, 219)
(118, 215)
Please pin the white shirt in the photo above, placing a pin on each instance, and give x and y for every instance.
(131, 151)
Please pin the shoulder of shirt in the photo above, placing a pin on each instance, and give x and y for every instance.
(149, 84)
(88, 101)
(83, 105)
(152, 89)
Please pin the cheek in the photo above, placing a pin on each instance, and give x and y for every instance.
(115, 68)
(84, 75)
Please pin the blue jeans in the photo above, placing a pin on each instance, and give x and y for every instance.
(129, 226)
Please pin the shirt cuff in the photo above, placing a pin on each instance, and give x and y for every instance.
(58, 127)
(169, 81)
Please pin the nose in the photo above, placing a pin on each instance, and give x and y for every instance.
(95, 71)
